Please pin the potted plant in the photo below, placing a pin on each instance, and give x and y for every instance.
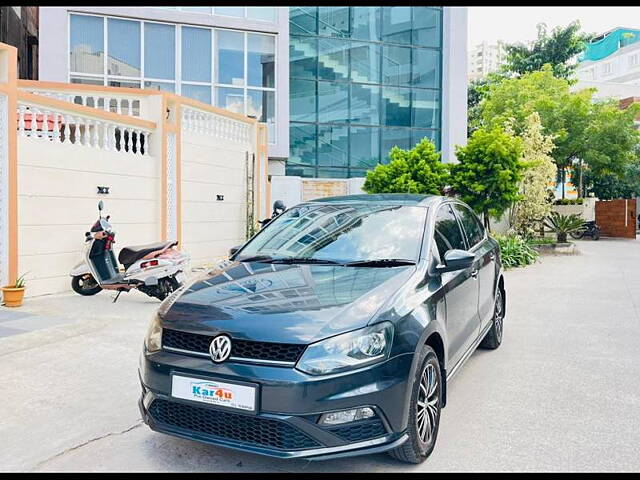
(627, 38)
(563, 225)
(13, 294)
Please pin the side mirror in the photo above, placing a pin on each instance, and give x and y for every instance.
(456, 260)
(233, 250)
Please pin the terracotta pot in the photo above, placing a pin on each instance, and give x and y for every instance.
(12, 296)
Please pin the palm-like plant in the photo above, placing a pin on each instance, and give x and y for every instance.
(563, 225)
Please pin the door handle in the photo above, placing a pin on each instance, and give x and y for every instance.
(474, 273)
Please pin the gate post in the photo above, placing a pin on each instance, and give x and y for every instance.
(8, 165)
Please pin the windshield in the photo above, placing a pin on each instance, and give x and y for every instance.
(342, 233)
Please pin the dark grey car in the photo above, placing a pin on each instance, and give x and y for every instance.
(332, 332)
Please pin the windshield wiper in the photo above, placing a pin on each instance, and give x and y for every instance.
(256, 258)
(381, 262)
(318, 261)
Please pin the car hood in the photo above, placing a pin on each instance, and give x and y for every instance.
(284, 303)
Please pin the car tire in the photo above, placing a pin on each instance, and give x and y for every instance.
(424, 410)
(85, 285)
(493, 338)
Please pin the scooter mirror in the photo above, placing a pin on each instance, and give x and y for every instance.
(100, 206)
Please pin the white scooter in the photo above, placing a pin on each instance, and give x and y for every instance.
(155, 269)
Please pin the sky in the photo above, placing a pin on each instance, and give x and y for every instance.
(518, 24)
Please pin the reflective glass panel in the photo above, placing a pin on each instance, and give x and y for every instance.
(229, 11)
(302, 138)
(365, 147)
(201, 93)
(426, 68)
(396, 65)
(86, 44)
(229, 57)
(303, 20)
(165, 86)
(396, 24)
(396, 109)
(365, 23)
(333, 102)
(123, 47)
(267, 14)
(425, 108)
(365, 104)
(333, 59)
(333, 21)
(302, 100)
(365, 62)
(196, 54)
(333, 144)
(391, 137)
(160, 51)
(427, 26)
(230, 98)
(303, 57)
(261, 55)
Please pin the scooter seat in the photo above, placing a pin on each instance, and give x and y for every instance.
(129, 255)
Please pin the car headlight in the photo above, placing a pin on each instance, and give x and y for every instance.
(348, 351)
(153, 340)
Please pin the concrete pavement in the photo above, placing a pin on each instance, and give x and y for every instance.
(561, 394)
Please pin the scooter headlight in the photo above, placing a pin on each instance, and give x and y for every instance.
(153, 340)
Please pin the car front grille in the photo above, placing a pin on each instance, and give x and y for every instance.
(243, 349)
(363, 430)
(248, 429)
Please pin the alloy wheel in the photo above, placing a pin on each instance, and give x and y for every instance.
(427, 407)
(498, 315)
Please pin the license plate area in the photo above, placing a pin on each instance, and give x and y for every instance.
(232, 396)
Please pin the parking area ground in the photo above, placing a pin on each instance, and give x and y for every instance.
(562, 393)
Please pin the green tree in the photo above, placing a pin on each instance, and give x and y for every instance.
(489, 171)
(476, 92)
(418, 170)
(556, 49)
(596, 133)
(539, 171)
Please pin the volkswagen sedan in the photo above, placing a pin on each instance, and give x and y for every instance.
(334, 331)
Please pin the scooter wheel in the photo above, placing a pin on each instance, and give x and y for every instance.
(85, 285)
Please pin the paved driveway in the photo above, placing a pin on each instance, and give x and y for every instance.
(562, 392)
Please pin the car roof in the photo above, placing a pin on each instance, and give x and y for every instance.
(386, 198)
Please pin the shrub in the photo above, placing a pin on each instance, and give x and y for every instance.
(515, 251)
(563, 225)
(568, 201)
(418, 170)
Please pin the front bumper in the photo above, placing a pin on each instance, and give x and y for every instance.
(289, 405)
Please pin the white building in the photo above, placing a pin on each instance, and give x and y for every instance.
(611, 64)
(485, 58)
(338, 87)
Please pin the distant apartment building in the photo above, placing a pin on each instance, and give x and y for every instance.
(485, 58)
(611, 64)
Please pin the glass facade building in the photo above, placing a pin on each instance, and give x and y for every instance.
(361, 80)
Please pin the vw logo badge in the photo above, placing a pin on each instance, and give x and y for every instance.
(220, 348)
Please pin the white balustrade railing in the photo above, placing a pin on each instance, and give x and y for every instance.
(69, 127)
(219, 126)
(120, 104)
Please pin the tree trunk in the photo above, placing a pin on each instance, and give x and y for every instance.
(580, 188)
(562, 179)
(487, 224)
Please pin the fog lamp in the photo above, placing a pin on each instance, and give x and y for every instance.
(345, 416)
